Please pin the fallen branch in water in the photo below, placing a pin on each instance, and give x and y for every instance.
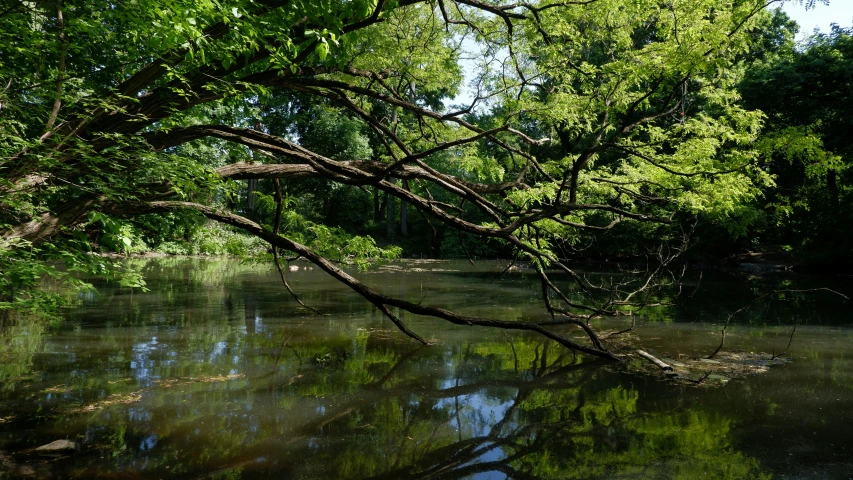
(651, 358)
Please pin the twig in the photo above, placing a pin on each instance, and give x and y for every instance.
(508, 267)
(287, 285)
(633, 323)
(278, 209)
(698, 284)
(722, 338)
(700, 380)
(790, 339)
(748, 305)
(465, 250)
(281, 349)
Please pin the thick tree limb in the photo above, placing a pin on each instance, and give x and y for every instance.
(243, 171)
(48, 225)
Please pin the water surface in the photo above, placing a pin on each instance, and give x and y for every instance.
(218, 373)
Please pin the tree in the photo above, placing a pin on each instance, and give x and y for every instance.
(806, 144)
(588, 115)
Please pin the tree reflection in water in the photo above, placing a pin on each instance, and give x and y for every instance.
(142, 382)
(550, 420)
(516, 408)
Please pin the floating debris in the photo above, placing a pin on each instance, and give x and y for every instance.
(398, 268)
(724, 367)
(61, 388)
(186, 381)
(114, 399)
(133, 397)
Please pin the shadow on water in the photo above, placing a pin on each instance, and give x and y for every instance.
(217, 374)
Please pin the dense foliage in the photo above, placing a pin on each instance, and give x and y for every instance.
(806, 143)
(610, 123)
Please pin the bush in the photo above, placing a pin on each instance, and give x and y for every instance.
(217, 239)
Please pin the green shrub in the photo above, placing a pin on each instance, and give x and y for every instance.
(217, 239)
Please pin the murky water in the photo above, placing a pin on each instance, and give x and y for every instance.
(217, 373)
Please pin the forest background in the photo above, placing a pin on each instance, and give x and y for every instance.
(601, 130)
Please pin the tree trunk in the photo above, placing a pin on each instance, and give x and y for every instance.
(832, 186)
(389, 217)
(383, 207)
(404, 224)
(377, 206)
(250, 194)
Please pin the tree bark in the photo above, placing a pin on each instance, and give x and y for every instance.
(389, 215)
(404, 224)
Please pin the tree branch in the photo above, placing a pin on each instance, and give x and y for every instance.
(369, 294)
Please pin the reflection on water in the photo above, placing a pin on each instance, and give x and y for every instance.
(218, 374)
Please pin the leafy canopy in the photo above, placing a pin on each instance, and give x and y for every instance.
(587, 116)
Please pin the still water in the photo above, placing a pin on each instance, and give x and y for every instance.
(217, 373)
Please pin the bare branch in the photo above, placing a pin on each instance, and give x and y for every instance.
(60, 75)
(371, 295)
(762, 297)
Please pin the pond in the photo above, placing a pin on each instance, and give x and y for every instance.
(218, 373)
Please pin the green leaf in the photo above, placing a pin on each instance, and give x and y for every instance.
(322, 50)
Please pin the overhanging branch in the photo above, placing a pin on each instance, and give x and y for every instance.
(369, 294)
